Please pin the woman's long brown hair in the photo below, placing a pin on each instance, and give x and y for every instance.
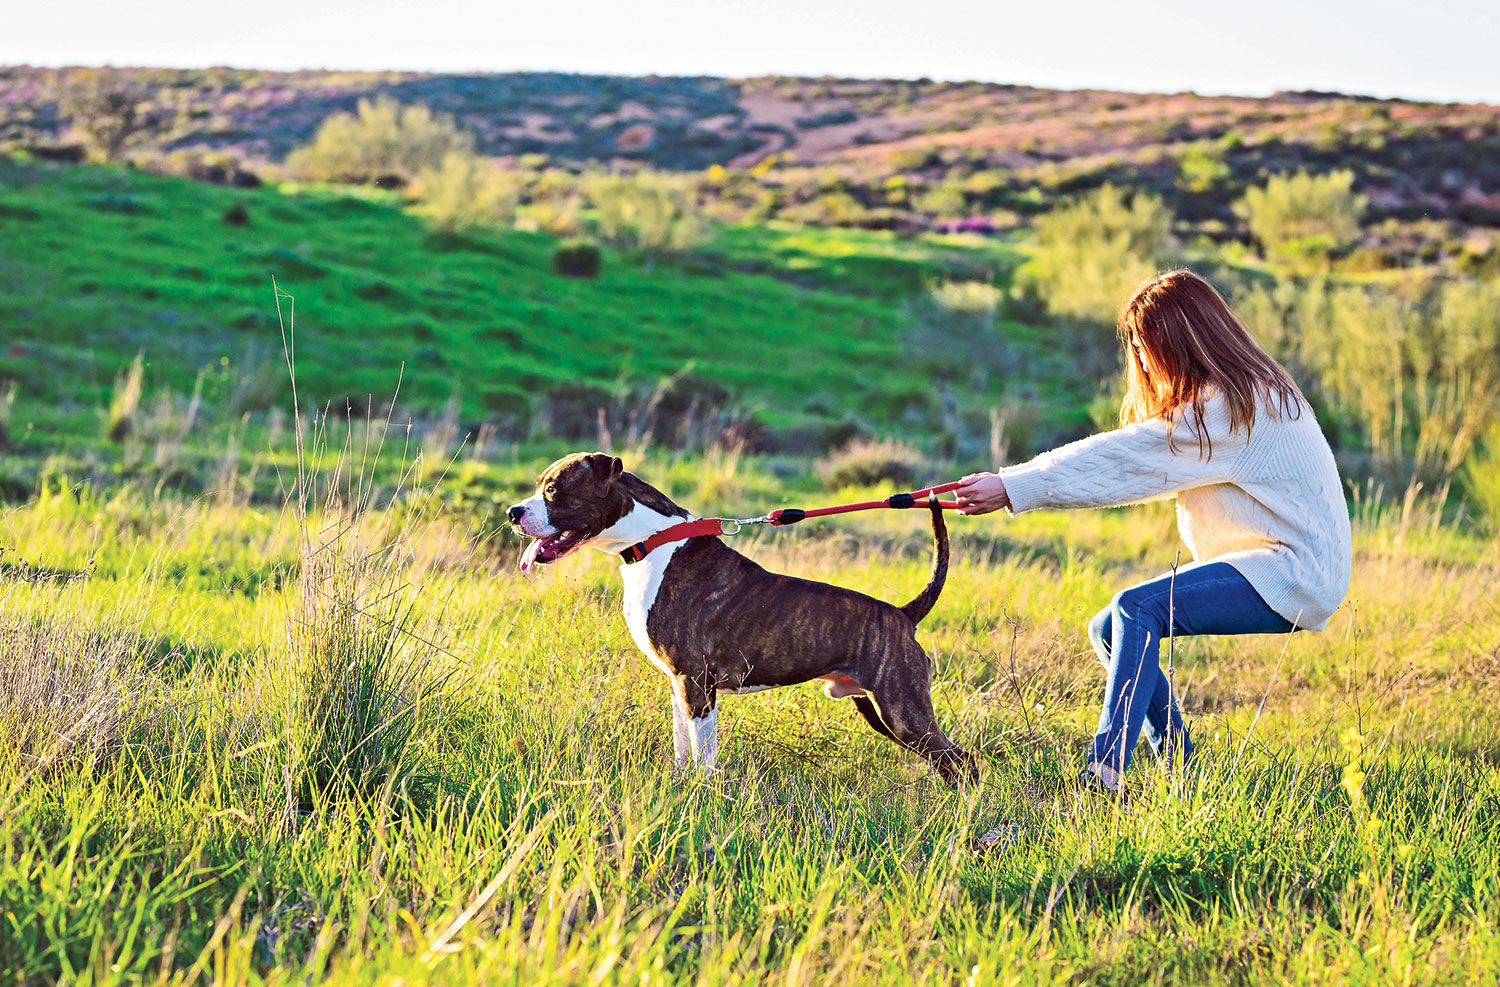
(1181, 338)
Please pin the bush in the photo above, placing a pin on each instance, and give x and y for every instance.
(1416, 379)
(7, 412)
(237, 215)
(865, 463)
(465, 191)
(1200, 168)
(382, 142)
(835, 208)
(943, 200)
(1092, 252)
(577, 259)
(648, 211)
(1303, 215)
(125, 401)
(1482, 480)
(111, 111)
(955, 334)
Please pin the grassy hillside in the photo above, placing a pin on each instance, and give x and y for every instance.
(799, 326)
(888, 153)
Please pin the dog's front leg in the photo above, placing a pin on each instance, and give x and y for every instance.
(682, 731)
(706, 740)
(695, 726)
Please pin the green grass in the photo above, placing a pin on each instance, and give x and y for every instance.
(1341, 828)
(102, 263)
(216, 816)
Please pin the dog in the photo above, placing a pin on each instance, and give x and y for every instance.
(716, 622)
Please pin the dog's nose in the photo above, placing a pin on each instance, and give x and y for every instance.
(515, 514)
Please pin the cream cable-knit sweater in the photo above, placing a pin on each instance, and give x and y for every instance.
(1271, 505)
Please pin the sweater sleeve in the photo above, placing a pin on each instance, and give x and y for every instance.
(1128, 465)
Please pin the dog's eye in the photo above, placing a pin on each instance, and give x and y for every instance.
(551, 489)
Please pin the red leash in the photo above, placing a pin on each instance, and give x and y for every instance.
(900, 501)
(784, 516)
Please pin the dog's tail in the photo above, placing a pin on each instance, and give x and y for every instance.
(923, 604)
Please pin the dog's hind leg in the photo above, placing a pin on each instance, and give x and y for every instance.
(872, 716)
(903, 704)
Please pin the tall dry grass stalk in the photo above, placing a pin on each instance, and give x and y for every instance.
(126, 399)
(75, 683)
(364, 642)
(7, 411)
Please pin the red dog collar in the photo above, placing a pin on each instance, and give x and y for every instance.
(677, 532)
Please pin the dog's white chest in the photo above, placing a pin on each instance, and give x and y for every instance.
(642, 584)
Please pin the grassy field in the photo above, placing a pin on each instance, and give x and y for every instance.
(249, 734)
(170, 807)
(517, 819)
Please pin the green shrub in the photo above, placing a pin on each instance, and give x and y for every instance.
(1303, 215)
(382, 142)
(125, 401)
(865, 463)
(577, 259)
(835, 208)
(7, 412)
(466, 191)
(1200, 168)
(1092, 252)
(112, 112)
(1414, 379)
(1482, 481)
(944, 199)
(954, 332)
(237, 215)
(648, 211)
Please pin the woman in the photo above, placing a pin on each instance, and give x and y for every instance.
(1210, 418)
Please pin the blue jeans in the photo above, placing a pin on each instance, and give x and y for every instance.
(1208, 598)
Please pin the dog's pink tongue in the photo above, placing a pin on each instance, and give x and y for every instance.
(528, 557)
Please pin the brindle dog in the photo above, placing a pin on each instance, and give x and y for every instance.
(714, 621)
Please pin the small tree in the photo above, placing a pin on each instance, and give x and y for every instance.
(1302, 214)
(381, 141)
(465, 191)
(1200, 168)
(1093, 251)
(109, 111)
(651, 212)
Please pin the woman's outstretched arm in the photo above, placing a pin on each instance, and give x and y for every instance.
(1125, 466)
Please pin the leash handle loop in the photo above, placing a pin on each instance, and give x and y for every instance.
(898, 501)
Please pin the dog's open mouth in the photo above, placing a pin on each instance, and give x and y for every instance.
(550, 548)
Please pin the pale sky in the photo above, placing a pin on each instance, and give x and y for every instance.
(1443, 50)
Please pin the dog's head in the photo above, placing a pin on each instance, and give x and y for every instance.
(577, 499)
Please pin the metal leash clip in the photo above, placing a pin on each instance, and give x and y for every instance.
(740, 522)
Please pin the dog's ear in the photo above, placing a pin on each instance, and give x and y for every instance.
(607, 470)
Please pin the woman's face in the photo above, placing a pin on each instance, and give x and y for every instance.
(1136, 350)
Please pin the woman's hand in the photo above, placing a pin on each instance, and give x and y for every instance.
(982, 493)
